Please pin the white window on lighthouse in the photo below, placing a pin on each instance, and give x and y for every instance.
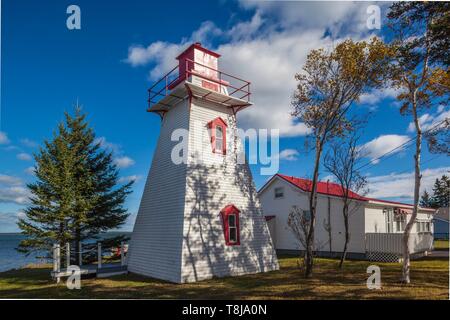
(219, 138)
(218, 134)
(232, 227)
(230, 220)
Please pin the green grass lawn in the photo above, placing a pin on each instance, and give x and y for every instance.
(441, 244)
(429, 281)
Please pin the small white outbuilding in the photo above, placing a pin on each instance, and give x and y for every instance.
(376, 226)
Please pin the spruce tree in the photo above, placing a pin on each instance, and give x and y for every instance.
(425, 200)
(76, 195)
(441, 192)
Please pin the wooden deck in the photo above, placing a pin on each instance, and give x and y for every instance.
(106, 270)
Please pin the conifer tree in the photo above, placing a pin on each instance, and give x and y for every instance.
(441, 192)
(76, 196)
(426, 201)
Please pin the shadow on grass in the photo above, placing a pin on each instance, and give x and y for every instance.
(429, 281)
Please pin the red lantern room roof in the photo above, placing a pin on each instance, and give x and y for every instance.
(198, 46)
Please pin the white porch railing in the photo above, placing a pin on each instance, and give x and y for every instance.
(393, 242)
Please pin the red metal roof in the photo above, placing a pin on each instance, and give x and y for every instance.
(334, 189)
(328, 188)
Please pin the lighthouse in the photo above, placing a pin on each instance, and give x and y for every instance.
(199, 216)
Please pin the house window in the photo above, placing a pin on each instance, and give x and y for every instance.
(400, 222)
(307, 215)
(389, 214)
(230, 220)
(279, 192)
(218, 130)
(423, 226)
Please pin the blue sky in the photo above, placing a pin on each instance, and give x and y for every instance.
(124, 46)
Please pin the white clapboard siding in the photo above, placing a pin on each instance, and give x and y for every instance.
(155, 247)
(211, 186)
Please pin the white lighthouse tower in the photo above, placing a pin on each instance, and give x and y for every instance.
(200, 217)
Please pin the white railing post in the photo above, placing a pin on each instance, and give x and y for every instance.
(67, 254)
(99, 255)
(122, 254)
(57, 261)
(80, 253)
(55, 257)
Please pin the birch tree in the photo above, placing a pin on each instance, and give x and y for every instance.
(343, 162)
(422, 79)
(328, 85)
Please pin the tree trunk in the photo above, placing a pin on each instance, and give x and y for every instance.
(309, 259)
(417, 178)
(329, 224)
(347, 235)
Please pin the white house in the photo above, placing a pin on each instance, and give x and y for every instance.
(376, 226)
(199, 216)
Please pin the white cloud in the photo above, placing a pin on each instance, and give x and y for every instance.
(105, 144)
(383, 144)
(130, 178)
(124, 162)
(329, 177)
(11, 148)
(428, 121)
(244, 30)
(10, 180)
(206, 31)
(8, 221)
(24, 156)
(3, 138)
(120, 160)
(337, 17)
(12, 190)
(30, 171)
(375, 96)
(266, 54)
(28, 143)
(21, 215)
(289, 154)
(401, 185)
(14, 194)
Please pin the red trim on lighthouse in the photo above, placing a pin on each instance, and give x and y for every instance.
(218, 127)
(230, 221)
(197, 45)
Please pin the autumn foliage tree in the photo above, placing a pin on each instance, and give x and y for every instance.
(328, 85)
(420, 74)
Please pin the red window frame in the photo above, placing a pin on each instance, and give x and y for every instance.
(226, 213)
(212, 125)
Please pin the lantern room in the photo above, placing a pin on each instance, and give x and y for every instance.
(198, 75)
